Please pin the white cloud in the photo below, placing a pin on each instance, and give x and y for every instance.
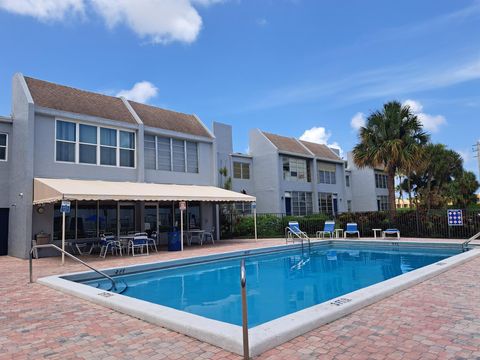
(44, 10)
(430, 122)
(358, 121)
(141, 92)
(157, 21)
(320, 135)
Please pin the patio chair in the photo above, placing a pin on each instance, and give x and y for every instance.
(209, 235)
(140, 241)
(352, 229)
(395, 232)
(152, 241)
(328, 229)
(109, 242)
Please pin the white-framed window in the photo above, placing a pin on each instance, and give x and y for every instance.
(241, 170)
(243, 208)
(66, 139)
(3, 147)
(380, 181)
(382, 203)
(301, 203)
(108, 147)
(327, 173)
(347, 180)
(87, 144)
(169, 154)
(127, 149)
(325, 203)
(81, 143)
(296, 169)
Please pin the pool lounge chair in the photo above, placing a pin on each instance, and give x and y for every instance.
(395, 232)
(328, 229)
(352, 229)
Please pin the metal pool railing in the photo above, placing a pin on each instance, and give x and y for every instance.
(114, 284)
(243, 287)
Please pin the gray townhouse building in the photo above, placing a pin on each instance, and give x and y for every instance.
(65, 143)
(367, 187)
(296, 177)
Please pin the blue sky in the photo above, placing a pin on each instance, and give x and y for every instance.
(285, 66)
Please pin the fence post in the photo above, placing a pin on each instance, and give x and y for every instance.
(416, 218)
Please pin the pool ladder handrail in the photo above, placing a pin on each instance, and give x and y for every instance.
(243, 287)
(289, 232)
(465, 243)
(35, 247)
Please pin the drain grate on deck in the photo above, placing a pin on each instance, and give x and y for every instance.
(340, 301)
(441, 263)
(105, 294)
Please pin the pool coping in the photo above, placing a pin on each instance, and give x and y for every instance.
(265, 336)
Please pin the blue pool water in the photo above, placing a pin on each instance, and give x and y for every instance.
(278, 283)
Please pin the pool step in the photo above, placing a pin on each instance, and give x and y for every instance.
(107, 286)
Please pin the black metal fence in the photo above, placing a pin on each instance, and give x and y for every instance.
(411, 223)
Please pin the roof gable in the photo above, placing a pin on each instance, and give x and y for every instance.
(65, 98)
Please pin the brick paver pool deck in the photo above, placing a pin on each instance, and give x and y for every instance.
(437, 319)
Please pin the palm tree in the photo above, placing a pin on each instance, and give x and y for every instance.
(392, 138)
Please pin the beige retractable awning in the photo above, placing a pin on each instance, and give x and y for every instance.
(53, 190)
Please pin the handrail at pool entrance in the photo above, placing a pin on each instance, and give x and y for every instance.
(465, 243)
(114, 284)
(289, 235)
(243, 285)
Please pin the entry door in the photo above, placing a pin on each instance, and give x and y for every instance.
(335, 205)
(288, 206)
(3, 231)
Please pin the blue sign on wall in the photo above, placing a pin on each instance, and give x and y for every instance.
(455, 217)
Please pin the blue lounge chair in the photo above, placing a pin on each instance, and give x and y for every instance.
(391, 232)
(328, 229)
(352, 229)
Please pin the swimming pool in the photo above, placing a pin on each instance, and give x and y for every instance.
(291, 289)
(279, 283)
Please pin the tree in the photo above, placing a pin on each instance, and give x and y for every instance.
(392, 138)
(440, 179)
(461, 192)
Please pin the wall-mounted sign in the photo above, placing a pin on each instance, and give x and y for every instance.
(455, 217)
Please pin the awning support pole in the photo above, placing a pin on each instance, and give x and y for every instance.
(181, 228)
(63, 237)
